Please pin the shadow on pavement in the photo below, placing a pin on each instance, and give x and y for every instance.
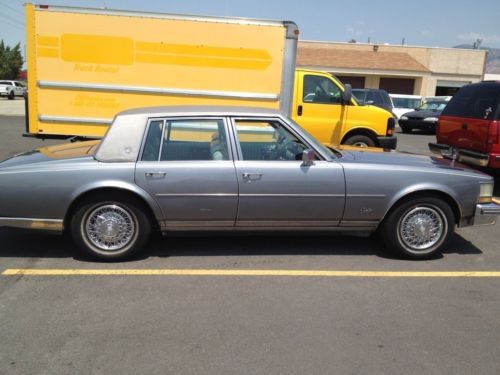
(19, 244)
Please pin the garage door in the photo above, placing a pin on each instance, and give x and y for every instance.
(355, 82)
(398, 85)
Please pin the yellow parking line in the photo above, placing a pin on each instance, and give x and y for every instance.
(244, 272)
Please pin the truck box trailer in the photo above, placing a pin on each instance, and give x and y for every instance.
(85, 65)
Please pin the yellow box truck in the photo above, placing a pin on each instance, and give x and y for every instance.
(85, 65)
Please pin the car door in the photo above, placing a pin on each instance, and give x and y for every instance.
(185, 164)
(275, 187)
(319, 107)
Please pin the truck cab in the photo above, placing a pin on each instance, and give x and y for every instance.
(321, 109)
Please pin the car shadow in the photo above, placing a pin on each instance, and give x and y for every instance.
(18, 243)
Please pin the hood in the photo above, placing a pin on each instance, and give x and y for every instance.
(57, 152)
(406, 160)
(422, 114)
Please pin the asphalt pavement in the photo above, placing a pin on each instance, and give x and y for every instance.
(312, 304)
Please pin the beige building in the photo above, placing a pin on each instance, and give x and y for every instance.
(398, 69)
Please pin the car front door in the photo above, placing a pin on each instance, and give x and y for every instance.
(276, 188)
(186, 165)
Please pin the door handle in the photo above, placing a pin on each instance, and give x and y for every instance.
(155, 174)
(299, 110)
(252, 176)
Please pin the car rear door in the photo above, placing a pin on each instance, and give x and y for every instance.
(465, 121)
(186, 165)
(276, 189)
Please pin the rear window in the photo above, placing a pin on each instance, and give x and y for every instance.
(478, 101)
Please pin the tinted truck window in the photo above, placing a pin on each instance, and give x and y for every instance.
(480, 101)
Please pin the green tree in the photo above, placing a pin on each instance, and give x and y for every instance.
(11, 61)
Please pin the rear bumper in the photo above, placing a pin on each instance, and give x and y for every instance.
(465, 156)
(486, 213)
(388, 142)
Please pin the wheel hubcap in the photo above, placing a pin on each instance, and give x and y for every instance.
(422, 228)
(110, 227)
(360, 144)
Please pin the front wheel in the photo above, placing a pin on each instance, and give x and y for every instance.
(418, 228)
(360, 141)
(110, 229)
(405, 129)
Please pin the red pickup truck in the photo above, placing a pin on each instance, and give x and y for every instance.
(468, 129)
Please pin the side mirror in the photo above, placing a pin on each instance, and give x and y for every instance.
(308, 157)
(347, 94)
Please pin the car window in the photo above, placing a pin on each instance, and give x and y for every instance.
(4, 83)
(406, 102)
(359, 95)
(319, 89)
(193, 139)
(433, 106)
(267, 140)
(475, 101)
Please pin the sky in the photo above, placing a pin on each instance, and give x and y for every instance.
(434, 23)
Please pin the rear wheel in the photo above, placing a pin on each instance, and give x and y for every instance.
(11, 95)
(360, 141)
(418, 228)
(110, 229)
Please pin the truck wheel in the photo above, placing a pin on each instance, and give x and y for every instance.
(11, 95)
(110, 229)
(360, 141)
(418, 228)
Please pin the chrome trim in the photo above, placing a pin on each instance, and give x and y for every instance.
(292, 195)
(255, 229)
(196, 195)
(287, 223)
(359, 223)
(183, 17)
(366, 196)
(158, 90)
(486, 213)
(29, 223)
(75, 120)
(189, 225)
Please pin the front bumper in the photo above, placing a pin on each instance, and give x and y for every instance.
(486, 213)
(418, 124)
(388, 142)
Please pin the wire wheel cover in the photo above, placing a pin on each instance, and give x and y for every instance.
(110, 227)
(422, 228)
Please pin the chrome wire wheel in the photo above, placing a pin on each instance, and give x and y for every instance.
(110, 228)
(422, 229)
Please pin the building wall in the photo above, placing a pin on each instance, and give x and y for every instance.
(452, 65)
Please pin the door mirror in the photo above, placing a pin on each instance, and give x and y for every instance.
(347, 94)
(308, 157)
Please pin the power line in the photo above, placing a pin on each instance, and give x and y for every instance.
(12, 19)
(13, 24)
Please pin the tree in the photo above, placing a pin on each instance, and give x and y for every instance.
(11, 61)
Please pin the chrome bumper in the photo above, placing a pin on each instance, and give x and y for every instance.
(463, 156)
(486, 213)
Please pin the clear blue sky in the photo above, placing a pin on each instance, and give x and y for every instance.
(443, 23)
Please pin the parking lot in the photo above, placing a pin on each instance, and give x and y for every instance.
(314, 304)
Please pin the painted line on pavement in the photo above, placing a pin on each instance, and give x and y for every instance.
(247, 272)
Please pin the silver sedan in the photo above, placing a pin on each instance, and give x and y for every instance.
(235, 169)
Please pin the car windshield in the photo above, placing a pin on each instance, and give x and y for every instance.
(406, 102)
(331, 153)
(433, 106)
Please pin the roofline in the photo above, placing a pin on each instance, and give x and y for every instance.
(392, 45)
(175, 16)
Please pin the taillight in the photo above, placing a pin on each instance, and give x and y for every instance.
(391, 124)
(494, 133)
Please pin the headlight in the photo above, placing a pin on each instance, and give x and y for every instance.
(403, 118)
(485, 193)
(430, 119)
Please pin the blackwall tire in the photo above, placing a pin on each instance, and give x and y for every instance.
(360, 141)
(418, 228)
(109, 229)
